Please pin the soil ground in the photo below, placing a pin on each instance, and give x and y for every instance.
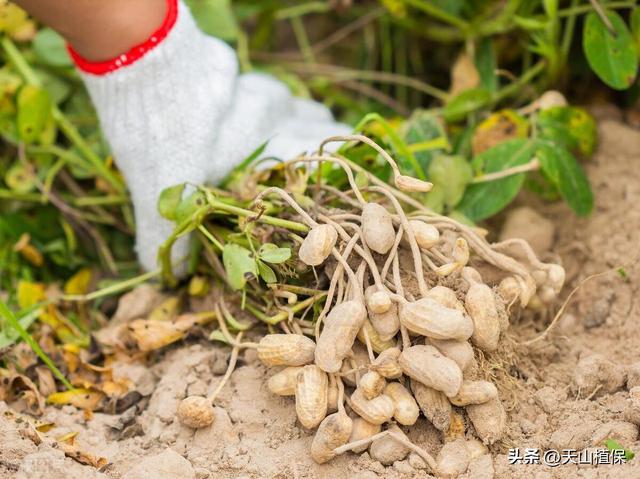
(255, 434)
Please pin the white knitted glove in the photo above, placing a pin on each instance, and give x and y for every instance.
(174, 110)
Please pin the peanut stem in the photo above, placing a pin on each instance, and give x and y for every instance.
(332, 286)
(415, 249)
(232, 364)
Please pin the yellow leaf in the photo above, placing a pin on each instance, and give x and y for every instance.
(166, 311)
(79, 282)
(68, 437)
(25, 32)
(81, 398)
(395, 7)
(45, 427)
(28, 251)
(498, 127)
(12, 17)
(30, 293)
(72, 348)
(198, 286)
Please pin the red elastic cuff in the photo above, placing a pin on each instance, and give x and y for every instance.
(135, 53)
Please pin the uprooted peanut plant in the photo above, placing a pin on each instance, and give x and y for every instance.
(405, 303)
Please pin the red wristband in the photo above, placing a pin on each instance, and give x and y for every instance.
(135, 53)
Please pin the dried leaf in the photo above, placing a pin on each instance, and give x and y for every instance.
(21, 391)
(498, 127)
(150, 335)
(46, 381)
(166, 311)
(83, 457)
(81, 398)
(464, 75)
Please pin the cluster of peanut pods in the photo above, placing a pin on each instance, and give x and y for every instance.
(412, 299)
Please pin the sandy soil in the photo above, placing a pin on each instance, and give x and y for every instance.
(571, 391)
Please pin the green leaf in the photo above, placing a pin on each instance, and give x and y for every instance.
(51, 49)
(240, 170)
(569, 126)
(530, 24)
(215, 17)
(9, 335)
(486, 64)
(266, 273)
(239, 265)
(564, 171)
(635, 28)
(425, 137)
(57, 88)
(217, 335)
(482, 200)
(613, 445)
(21, 178)
(551, 8)
(169, 200)
(612, 57)
(453, 174)
(460, 218)
(466, 102)
(273, 254)
(403, 155)
(189, 205)
(34, 111)
(435, 199)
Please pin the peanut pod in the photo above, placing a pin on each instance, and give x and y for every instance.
(283, 383)
(378, 302)
(311, 396)
(489, 420)
(377, 344)
(195, 412)
(460, 351)
(434, 405)
(386, 323)
(474, 392)
(427, 236)
(406, 409)
(333, 432)
(481, 306)
(377, 228)
(317, 245)
(339, 332)
(286, 350)
(372, 384)
(429, 318)
(362, 430)
(446, 297)
(386, 364)
(376, 411)
(426, 365)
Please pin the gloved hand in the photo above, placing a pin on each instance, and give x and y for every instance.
(174, 110)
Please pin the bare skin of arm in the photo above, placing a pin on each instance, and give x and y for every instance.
(99, 30)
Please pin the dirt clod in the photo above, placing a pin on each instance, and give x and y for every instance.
(528, 224)
(595, 374)
(167, 465)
